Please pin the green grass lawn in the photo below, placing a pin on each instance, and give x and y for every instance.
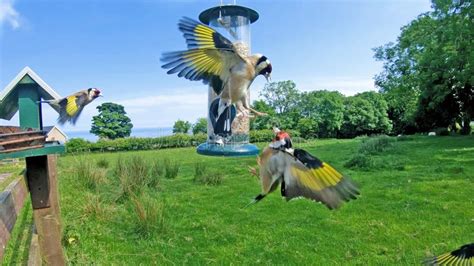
(416, 201)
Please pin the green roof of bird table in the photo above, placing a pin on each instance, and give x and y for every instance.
(23, 94)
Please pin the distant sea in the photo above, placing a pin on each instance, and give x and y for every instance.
(136, 132)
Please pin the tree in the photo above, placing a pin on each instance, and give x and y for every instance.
(365, 113)
(181, 126)
(264, 122)
(307, 127)
(111, 122)
(325, 109)
(281, 96)
(200, 126)
(428, 71)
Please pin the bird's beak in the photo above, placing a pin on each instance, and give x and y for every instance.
(268, 77)
(101, 95)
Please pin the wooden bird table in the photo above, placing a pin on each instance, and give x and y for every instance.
(41, 178)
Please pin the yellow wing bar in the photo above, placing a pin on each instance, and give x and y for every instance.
(71, 107)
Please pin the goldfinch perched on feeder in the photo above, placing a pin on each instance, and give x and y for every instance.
(214, 59)
(462, 256)
(70, 107)
(300, 174)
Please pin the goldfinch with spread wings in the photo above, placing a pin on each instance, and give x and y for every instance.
(462, 256)
(214, 59)
(70, 107)
(300, 174)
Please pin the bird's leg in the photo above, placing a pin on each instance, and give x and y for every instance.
(246, 105)
(257, 113)
(253, 171)
(242, 110)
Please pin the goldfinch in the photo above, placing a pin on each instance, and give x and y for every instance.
(300, 174)
(282, 140)
(214, 59)
(462, 256)
(70, 107)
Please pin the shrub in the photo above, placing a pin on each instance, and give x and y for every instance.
(149, 215)
(267, 135)
(212, 178)
(78, 145)
(90, 176)
(171, 168)
(103, 163)
(132, 174)
(200, 169)
(94, 207)
(264, 135)
(375, 145)
(174, 141)
(156, 172)
(205, 177)
(361, 161)
(369, 146)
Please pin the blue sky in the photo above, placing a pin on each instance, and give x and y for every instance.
(115, 45)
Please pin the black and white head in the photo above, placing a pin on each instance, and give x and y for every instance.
(93, 93)
(264, 67)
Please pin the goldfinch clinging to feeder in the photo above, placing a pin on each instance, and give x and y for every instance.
(462, 256)
(214, 59)
(70, 107)
(300, 174)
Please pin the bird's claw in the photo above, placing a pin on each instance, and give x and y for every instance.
(253, 171)
(245, 113)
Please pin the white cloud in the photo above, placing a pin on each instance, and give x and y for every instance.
(8, 14)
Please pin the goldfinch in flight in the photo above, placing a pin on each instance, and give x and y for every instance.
(300, 174)
(70, 107)
(214, 59)
(462, 256)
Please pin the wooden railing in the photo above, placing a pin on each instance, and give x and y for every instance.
(12, 200)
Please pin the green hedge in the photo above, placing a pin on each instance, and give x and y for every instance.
(174, 141)
(129, 144)
(267, 135)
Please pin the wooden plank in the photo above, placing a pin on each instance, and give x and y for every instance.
(12, 200)
(7, 219)
(47, 219)
(49, 148)
(19, 192)
(21, 133)
(15, 141)
(22, 148)
(34, 257)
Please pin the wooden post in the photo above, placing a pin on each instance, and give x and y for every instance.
(42, 183)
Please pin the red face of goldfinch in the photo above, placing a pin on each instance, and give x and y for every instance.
(95, 93)
(282, 140)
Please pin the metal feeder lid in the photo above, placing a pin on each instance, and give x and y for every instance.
(228, 10)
